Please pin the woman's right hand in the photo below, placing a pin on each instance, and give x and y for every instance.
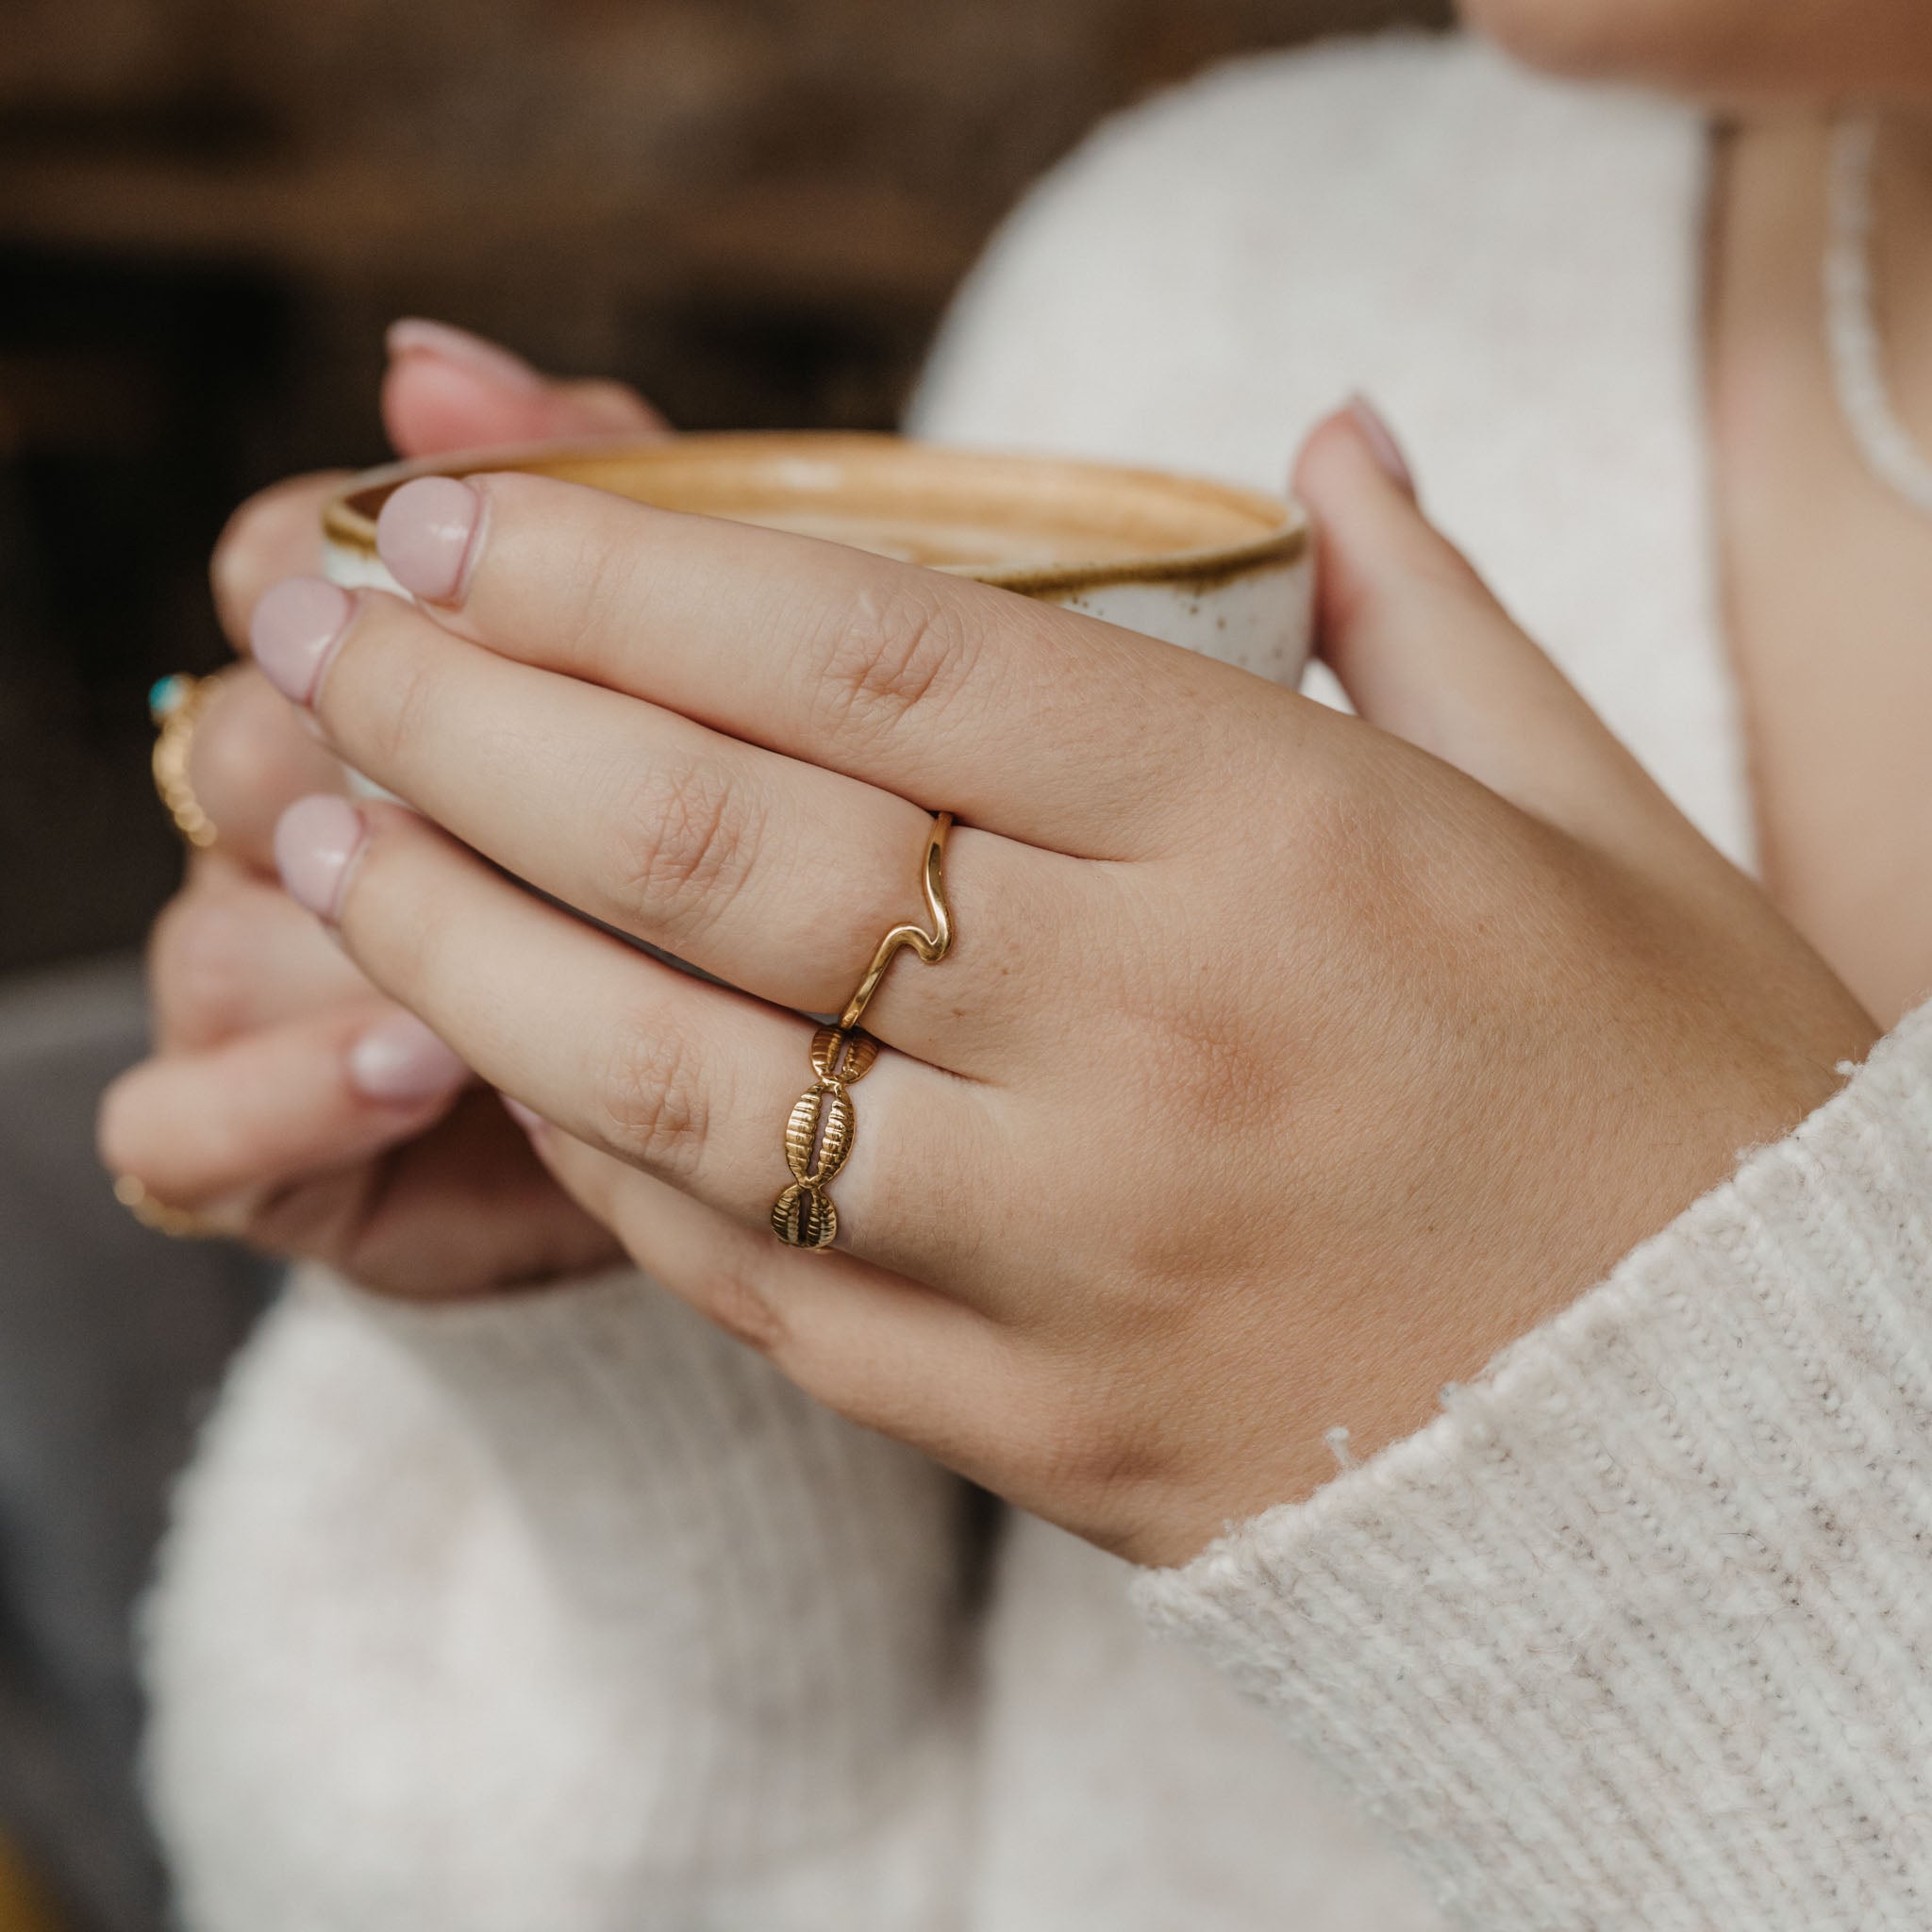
(286, 1101)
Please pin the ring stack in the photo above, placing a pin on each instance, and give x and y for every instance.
(818, 1136)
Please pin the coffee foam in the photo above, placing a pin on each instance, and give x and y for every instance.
(1021, 521)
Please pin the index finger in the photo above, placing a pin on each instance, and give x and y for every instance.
(1020, 717)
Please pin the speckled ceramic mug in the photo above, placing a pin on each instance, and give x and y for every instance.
(1215, 568)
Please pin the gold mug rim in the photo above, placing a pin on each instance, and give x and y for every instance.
(348, 518)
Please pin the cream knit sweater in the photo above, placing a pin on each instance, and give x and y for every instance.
(564, 1615)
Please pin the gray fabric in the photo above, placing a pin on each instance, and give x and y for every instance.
(111, 1341)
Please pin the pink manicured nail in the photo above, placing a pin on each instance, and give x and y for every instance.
(316, 842)
(526, 1118)
(416, 336)
(400, 1060)
(426, 534)
(1381, 440)
(296, 626)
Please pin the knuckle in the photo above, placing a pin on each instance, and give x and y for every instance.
(1198, 1050)
(606, 594)
(387, 731)
(394, 917)
(687, 838)
(1203, 1064)
(393, 909)
(890, 652)
(1333, 830)
(656, 1102)
(1085, 1468)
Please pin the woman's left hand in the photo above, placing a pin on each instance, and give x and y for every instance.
(1285, 1065)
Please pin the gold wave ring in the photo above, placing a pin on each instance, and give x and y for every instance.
(818, 1134)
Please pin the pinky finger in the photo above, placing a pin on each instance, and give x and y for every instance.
(202, 1131)
(882, 1350)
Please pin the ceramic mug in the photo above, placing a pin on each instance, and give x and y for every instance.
(1218, 569)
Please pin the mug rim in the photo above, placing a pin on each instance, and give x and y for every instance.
(348, 518)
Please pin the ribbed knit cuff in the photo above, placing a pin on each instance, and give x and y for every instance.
(1638, 1632)
(781, 1587)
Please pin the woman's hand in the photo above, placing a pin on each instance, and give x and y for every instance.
(1285, 1065)
(288, 1101)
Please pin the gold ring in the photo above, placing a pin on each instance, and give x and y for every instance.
(176, 1223)
(176, 705)
(818, 1136)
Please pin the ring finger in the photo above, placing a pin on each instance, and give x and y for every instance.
(691, 1083)
(776, 876)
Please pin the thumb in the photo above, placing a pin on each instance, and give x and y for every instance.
(446, 388)
(1425, 650)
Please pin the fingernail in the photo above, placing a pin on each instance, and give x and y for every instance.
(401, 1059)
(294, 630)
(526, 1118)
(1381, 442)
(414, 335)
(426, 534)
(316, 842)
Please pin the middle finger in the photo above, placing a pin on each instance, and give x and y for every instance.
(774, 874)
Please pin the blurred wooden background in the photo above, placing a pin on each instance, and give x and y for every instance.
(753, 209)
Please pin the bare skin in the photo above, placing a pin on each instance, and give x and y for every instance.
(1828, 572)
(1233, 1180)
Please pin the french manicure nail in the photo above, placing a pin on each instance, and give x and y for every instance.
(414, 335)
(426, 535)
(1381, 440)
(526, 1118)
(294, 630)
(316, 842)
(400, 1060)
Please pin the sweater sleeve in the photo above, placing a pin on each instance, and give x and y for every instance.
(1638, 1632)
(559, 1610)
